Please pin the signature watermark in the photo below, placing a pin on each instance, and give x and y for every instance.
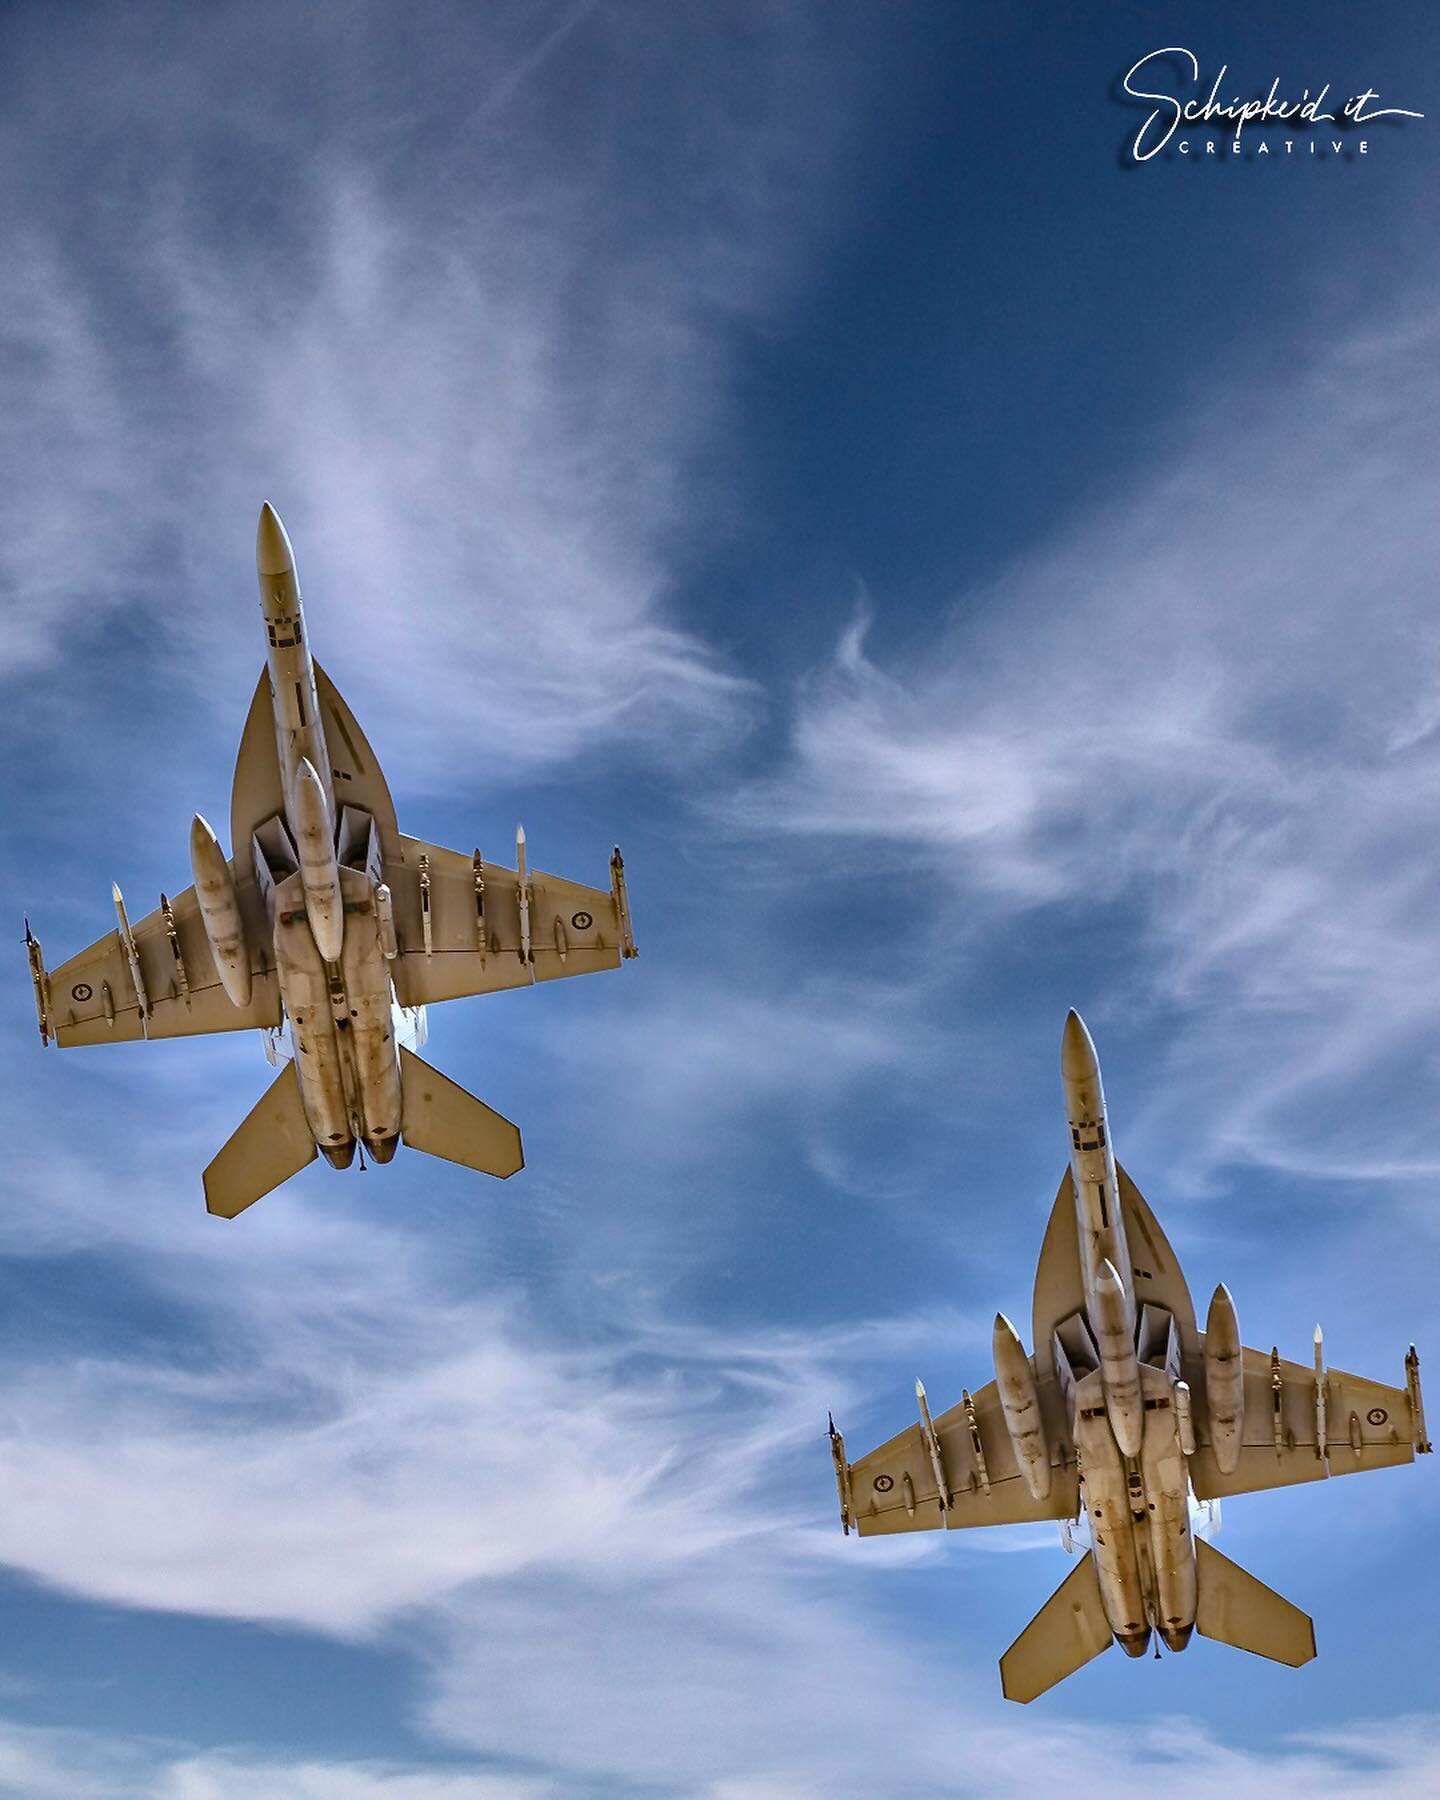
(1158, 80)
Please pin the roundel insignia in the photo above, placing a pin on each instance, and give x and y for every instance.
(582, 921)
(884, 1483)
(1377, 1415)
(82, 990)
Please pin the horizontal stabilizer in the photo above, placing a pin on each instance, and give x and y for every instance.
(274, 1143)
(1069, 1631)
(440, 1118)
(1237, 1609)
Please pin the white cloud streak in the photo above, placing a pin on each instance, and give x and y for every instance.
(472, 393)
(36, 1763)
(358, 1439)
(471, 403)
(605, 1554)
(955, 1755)
(1210, 708)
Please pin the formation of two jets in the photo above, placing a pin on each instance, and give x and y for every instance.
(327, 917)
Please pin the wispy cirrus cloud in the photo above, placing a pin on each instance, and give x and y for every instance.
(602, 1547)
(1206, 709)
(353, 1433)
(473, 385)
(478, 356)
(353, 1443)
(961, 1756)
(37, 1762)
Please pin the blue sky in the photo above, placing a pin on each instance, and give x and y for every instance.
(971, 577)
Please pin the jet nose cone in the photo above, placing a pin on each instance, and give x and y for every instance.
(1078, 1061)
(273, 555)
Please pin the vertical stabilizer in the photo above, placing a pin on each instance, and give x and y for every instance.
(1069, 1631)
(1237, 1609)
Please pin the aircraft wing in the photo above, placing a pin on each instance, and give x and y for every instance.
(894, 1487)
(93, 998)
(1367, 1426)
(475, 942)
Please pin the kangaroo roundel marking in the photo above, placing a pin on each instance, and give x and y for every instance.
(1377, 1415)
(582, 921)
(884, 1483)
(82, 990)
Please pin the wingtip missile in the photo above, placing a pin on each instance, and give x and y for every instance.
(40, 981)
(842, 1477)
(1423, 1446)
(620, 897)
(522, 894)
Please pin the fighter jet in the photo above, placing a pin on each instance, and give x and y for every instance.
(1124, 1414)
(327, 917)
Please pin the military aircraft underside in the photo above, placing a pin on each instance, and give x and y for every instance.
(1125, 1412)
(327, 917)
